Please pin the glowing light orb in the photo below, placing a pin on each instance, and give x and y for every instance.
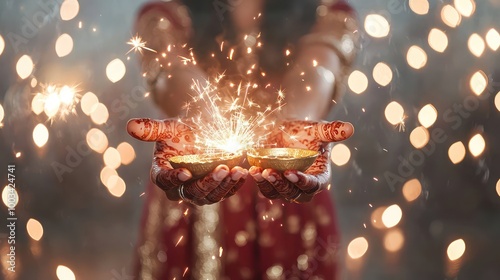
(477, 145)
(450, 16)
(377, 26)
(127, 153)
(87, 103)
(427, 116)
(9, 196)
(51, 104)
(416, 57)
(357, 247)
(476, 45)
(394, 113)
(40, 135)
(358, 82)
(392, 215)
(97, 140)
(498, 187)
(376, 218)
(419, 137)
(497, 101)
(393, 240)
(438, 40)
(412, 189)
(382, 74)
(69, 9)
(64, 45)
(99, 114)
(35, 229)
(340, 154)
(456, 249)
(493, 39)
(116, 186)
(2, 113)
(465, 7)
(478, 82)
(106, 173)
(66, 95)
(457, 152)
(24, 67)
(419, 7)
(115, 70)
(64, 273)
(2, 44)
(112, 158)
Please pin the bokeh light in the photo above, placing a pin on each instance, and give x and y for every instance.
(115, 70)
(493, 39)
(112, 158)
(127, 153)
(340, 154)
(116, 186)
(65, 273)
(419, 137)
(69, 9)
(35, 229)
(24, 67)
(64, 45)
(476, 45)
(40, 135)
(376, 218)
(358, 82)
(394, 240)
(416, 57)
(97, 140)
(391, 216)
(438, 40)
(498, 187)
(465, 7)
(87, 102)
(382, 74)
(106, 173)
(477, 145)
(51, 103)
(377, 26)
(2, 44)
(38, 103)
(9, 196)
(478, 82)
(457, 152)
(394, 113)
(497, 101)
(450, 16)
(427, 116)
(2, 113)
(419, 7)
(412, 189)
(357, 247)
(456, 249)
(99, 113)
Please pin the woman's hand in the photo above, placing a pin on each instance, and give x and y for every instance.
(175, 137)
(294, 185)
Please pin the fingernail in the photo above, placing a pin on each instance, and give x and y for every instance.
(266, 174)
(292, 177)
(220, 174)
(237, 175)
(184, 175)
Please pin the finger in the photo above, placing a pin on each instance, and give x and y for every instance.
(264, 186)
(333, 131)
(280, 184)
(236, 176)
(154, 130)
(168, 179)
(306, 182)
(197, 190)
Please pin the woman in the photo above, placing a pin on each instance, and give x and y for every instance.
(269, 225)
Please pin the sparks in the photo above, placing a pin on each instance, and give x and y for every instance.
(138, 45)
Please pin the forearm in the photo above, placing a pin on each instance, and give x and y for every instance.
(322, 62)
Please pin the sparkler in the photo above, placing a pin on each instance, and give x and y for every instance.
(138, 45)
(56, 101)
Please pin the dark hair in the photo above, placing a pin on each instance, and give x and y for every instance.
(283, 23)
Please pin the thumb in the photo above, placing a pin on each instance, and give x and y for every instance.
(333, 131)
(148, 129)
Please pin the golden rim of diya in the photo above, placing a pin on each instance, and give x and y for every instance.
(282, 159)
(201, 165)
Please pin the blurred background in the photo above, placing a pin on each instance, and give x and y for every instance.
(417, 187)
